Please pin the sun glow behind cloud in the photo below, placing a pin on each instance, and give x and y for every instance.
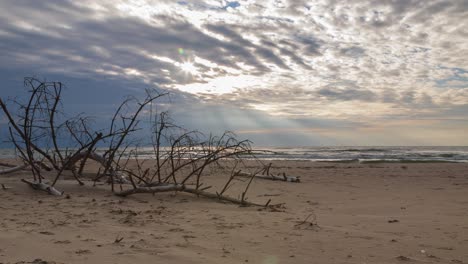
(189, 68)
(221, 85)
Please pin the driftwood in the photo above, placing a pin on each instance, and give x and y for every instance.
(265, 174)
(271, 177)
(85, 155)
(44, 166)
(3, 164)
(184, 188)
(41, 127)
(43, 187)
(13, 169)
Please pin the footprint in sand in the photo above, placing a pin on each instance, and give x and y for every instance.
(83, 251)
(46, 233)
(62, 242)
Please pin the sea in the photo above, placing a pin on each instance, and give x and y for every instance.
(368, 154)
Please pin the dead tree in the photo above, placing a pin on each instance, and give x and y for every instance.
(39, 122)
(187, 159)
(35, 125)
(182, 157)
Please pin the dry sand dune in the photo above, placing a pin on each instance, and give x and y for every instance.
(339, 213)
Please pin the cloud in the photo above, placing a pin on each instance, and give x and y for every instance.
(366, 59)
(346, 94)
(353, 51)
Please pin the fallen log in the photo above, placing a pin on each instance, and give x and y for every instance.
(113, 174)
(43, 187)
(152, 189)
(70, 163)
(271, 177)
(44, 166)
(184, 188)
(118, 176)
(13, 169)
(7, 165)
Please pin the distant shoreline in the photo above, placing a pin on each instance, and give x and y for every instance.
(354, 154)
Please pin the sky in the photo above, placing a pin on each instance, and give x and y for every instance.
(277, 72)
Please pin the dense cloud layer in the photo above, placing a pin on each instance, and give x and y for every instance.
(370, 61)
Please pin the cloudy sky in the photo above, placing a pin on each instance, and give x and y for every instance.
(326, 72)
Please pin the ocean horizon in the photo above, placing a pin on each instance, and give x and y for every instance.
(332, 153)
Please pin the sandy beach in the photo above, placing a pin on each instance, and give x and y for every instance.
(339, 213)
(234, 132)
